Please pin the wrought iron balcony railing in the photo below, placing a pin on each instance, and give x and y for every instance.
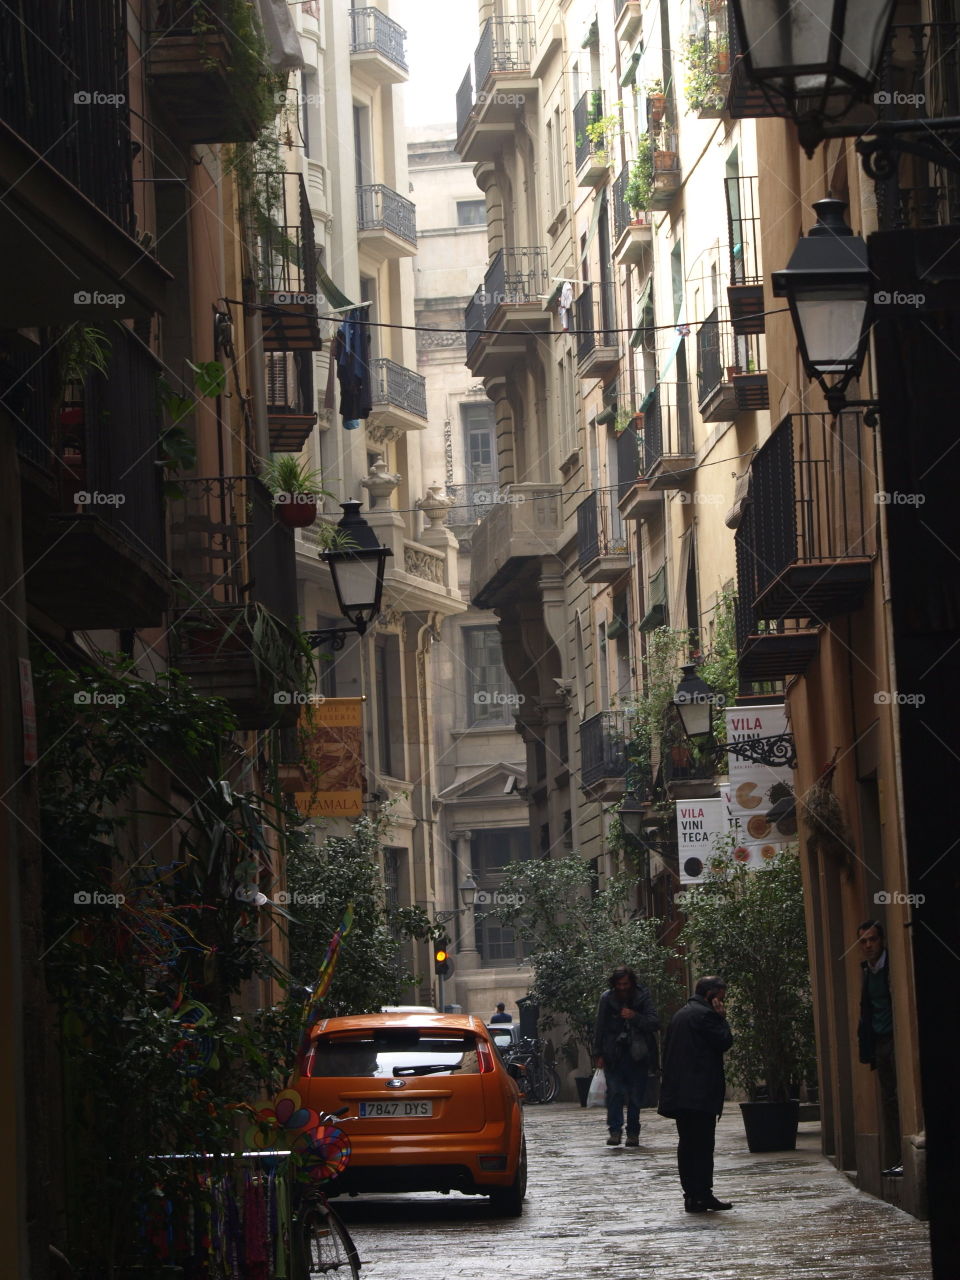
(596, 318)
(667, 424)
(506, 47)
(373, 32)
(588, 111)
(464, 101)
(471, 502)
(64, 90)
(286, 248)
(402, 388)
(380, 207)
(743, 230)
(603, 751)
(515, 277)
(227, 547)
(629, 451)
(600, 529)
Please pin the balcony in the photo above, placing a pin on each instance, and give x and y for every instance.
(291, 407)
(632, 229)
(744, 100)
(920, 77)
(745, 291)
(507, 310)
(203, 74)
(685, 776)
(628, 19)
(471, 503)
(386, 223)
(399, 397)
(595, 316)
(603, 754)
(236, 568)
(286, 255)
(496, 88)
(592, 156)
(522, 528)
(806, 543)
(93, 529)
(66, 217)
(667, 174)
(602, 554)
(377, 47)
(707, 58)
(668, 453)
(731, 378)
(635, 499)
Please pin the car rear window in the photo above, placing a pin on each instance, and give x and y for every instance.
(394, 1053)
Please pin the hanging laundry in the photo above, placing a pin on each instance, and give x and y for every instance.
(352, 355)
(564, 305)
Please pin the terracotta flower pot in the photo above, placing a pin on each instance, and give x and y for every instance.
(658, 105)
(299, 511)
(723, 61)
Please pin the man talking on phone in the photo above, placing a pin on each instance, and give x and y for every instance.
(692, 1088)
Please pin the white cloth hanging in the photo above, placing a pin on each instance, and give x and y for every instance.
(564, 305)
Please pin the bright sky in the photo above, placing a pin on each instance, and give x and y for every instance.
(441, 38)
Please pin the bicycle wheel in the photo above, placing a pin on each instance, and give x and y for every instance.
(539, 1082)
(551, 1084)
(326, 1246)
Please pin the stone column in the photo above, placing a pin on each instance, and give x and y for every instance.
(468, 957)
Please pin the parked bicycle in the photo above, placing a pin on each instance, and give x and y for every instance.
(537, 1079)
(322, 1244)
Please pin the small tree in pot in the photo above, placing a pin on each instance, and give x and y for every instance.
(749, 927)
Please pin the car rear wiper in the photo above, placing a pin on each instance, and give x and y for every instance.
(425, 1069)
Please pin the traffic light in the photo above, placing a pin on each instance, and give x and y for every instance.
(441, 962)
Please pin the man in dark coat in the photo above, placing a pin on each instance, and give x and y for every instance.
(692, 1088)
(625, 1047)
(875, 1037)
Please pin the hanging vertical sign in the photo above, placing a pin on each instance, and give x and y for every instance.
(333, 759)
(700, 823)
(755, 788)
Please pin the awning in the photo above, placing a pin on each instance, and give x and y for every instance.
(656, 615)
(279, 33)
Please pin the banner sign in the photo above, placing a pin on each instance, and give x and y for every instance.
(333, 758)
(743, 805)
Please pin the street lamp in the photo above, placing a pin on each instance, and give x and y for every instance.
(695, 701)
(817, 59)
(829, 289)
(357, 564)
(468, 896)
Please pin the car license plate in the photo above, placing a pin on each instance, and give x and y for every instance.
(395, 1107)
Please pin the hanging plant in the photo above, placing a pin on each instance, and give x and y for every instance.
(639, 188)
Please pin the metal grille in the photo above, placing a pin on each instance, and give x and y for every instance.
(64, 89)
(667, 424)
(599, 528)
(596, 318)
(400, 387)
(743, 230)
(379, 206)
(373, 32)
(587, 111)
(286, 246)
(603, 752)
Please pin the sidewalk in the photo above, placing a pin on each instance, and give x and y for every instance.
(795, 1217)
(600, 1213)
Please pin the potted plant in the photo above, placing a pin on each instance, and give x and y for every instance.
(656, 101)
(639, 186)
(602, 131)
(707, 62)
(295, 488)
(748, 925)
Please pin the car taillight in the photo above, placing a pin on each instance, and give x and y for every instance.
(484, 1057)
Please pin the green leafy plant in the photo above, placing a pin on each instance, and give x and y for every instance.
(749, 927)
(576, 934)
(603, 130)
(703, 86)
(719, 667)
(82, 350)
(178, 452)
(239, 22)
(639, 189)
(286, 473)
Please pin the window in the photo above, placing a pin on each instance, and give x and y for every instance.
(490, 851)
(566, 401)
(490, 695)
(471, 213)
(479, 445)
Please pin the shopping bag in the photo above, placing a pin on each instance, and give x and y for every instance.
(597, 1094)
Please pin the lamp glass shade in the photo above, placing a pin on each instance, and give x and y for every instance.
(829, 287)
(830, 327)
(634, 817)
(468, 891)
(694, 701)
(818, 56)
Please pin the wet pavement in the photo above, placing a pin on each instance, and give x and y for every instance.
(597, 1212)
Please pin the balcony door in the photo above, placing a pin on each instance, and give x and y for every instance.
(479, 454)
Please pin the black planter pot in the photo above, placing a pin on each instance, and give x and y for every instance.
(583, 1088)
(771, 1126)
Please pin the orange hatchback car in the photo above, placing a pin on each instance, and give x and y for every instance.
(431, 1106)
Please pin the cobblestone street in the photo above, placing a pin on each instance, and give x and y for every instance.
(593, 1211)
